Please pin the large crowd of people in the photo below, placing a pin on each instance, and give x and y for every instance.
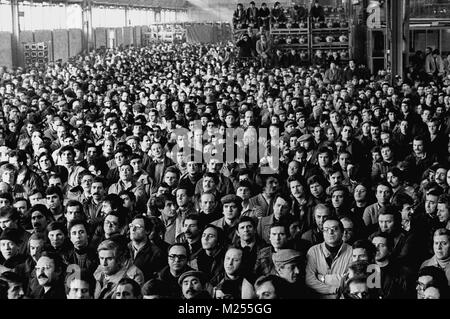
(116, 179)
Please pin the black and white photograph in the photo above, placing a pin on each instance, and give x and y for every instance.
(224, 154)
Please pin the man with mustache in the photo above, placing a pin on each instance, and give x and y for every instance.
(193, 285)
(40, 218)
(49, 270)
(92, 206)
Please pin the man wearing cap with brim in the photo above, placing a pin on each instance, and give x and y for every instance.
(193, 285)
(232, 207)
(289, 265)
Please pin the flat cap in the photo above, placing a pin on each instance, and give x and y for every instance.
(194, 273)
(285, 256)
(305, 137)
(231, 198)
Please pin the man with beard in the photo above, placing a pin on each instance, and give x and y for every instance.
(15, 284)
(441, 249)
(144, 254)
(178, 256)
(193, 285)
(234, 285)
(49, 270)
(327, 262)
(265, 198)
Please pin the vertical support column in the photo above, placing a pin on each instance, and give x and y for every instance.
(399, 38)
(15, 32)
(88, 42)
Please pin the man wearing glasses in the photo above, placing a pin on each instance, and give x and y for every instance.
(177, 265)
(327, 262)
(49, 269)
(144, 254)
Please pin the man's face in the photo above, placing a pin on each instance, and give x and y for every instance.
(125, 292)
(386, 223)
(111, 225)
(79, 236)
(387, 154)
(126, 172)
(53, 201)
(431, 204)
(232, 261)
(78, 289)
(332, 233)
(7, 222)
(246, 231)
(55, 182)
(66, 157)
(208, 184)
(280, 208)
(46, 273)
(182, 197)
(441, 247)
(278, 237)
(208, 203)
(108, 262)
(8, 248)
(38, 221)
(191, 229)
(440, 176)
(97, 190)
(418, 146)
(422, 283)
(191, 287)
(170, 209)
(382, 248)
(383, 194)
(56, 238)
(137, 230)
(230, 211)
(73, 212)
(320, 216)
(323, 159)
(170, 178)
(272, 185)
(290, 272)
(337, 198)
(442, 213)
(177, 258)
(156, 150)
(266, 291)
(359, 254)
(209, 238)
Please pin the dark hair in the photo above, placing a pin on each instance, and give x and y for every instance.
(136, 288)
(184, 245)
(10, 212)
(367, 246)
(148, 225)
(244, 219)
(57, 226)
(155, 287)
(76, 222)
(57, 259)
(54, 190)
(280, 284)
